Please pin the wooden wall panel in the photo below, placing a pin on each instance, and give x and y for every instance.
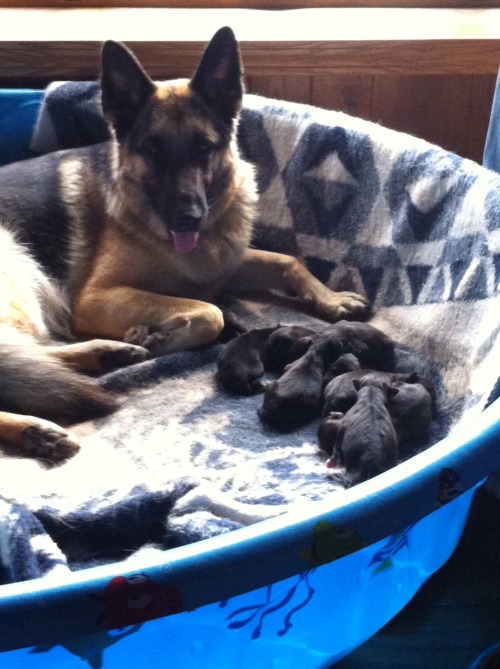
(481, 98)
(293, 88)
(351, 94)
(427, 72)
(437, 108)
(451, 111)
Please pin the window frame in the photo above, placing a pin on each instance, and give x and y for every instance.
(249, 4)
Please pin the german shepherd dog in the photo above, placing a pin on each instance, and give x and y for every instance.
(133, 241)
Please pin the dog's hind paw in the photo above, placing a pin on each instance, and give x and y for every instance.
(148, 337)
(48, 441)
(123, 354)
(159, 339)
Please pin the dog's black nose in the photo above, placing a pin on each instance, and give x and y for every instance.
(189, 217)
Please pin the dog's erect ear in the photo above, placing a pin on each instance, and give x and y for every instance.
(125, 86)
(218, 79)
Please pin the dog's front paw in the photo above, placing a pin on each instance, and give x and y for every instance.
(339, 306)
(49, 441)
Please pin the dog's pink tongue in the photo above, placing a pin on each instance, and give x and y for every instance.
(185, 241)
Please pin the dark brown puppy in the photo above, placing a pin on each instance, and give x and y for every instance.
(240, 365)
(340, 393)
(411, 411)
(372, 347)
(366, 443)
(287, 344)
(295, 398)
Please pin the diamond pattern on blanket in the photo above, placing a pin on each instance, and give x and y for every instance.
(324, 177)
(324, 183)
(425, 192)
(256, 147)
(476, 282)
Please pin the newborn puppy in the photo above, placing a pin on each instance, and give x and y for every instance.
(340, 393)
(295, 398)
(240, 365)
(285, 345)
(411, 411)
(366, 443)
(371, 346)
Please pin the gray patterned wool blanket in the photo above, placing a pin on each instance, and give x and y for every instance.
(413, 227)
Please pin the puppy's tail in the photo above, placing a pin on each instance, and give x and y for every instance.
(35, 383)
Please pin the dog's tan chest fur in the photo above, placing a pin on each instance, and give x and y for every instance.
(128, 254)
(141, 263)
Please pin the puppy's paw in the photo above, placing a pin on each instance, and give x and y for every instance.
(48, 441)
(123, 354)
(338, 306)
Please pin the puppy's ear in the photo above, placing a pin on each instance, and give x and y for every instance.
(357, 384)
(218, 79)
(125, 87)
(392, 391)
(412, 378)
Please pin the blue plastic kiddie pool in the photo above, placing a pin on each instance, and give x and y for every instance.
(305, 588)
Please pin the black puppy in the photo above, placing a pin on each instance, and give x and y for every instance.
(340, 393)
(287, 344)
(372, 347)
(240, 365)
(411, 411)
(366, 443)
(295, 398)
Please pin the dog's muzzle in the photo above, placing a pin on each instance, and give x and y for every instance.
(185, 229)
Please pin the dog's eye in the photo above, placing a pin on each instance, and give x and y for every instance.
(153, 148)
(202, 144)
